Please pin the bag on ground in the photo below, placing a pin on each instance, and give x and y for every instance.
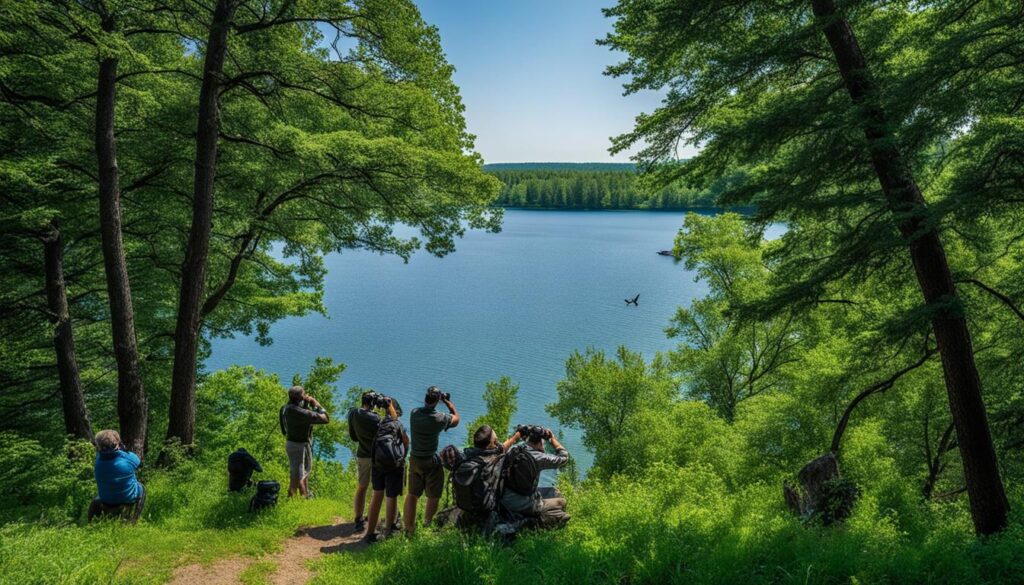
(266, 495)
(451, 457)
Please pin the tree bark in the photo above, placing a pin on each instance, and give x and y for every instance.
(182, 417)
(76, 415)
(132, 409)
(989, 506)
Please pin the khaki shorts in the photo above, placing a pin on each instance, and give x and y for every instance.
(300, 460)
(363, 465)
(426, 475)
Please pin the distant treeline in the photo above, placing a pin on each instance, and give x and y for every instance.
(588, 186)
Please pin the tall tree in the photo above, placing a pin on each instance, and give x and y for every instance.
(132, 408)
(76, 415)
(181, 423)
(989, 506)
(833, 151)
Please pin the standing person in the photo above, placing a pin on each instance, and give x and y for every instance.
(362, 428)
(387, 471)
(117, 486)
(521, 494)
(297, 419)
(426, 474)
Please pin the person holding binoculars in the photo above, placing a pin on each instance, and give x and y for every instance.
(297, 419)
(387, 467)
(362, 428)
(426, 474)
(117, 484)
(521, 494)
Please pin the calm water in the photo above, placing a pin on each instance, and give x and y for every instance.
(515, 303)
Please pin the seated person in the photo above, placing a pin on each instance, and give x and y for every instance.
(486, 449)
(119, 489)
(240, 467)
(521, 494)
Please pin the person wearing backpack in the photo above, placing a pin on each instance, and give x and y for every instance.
(476, 477)
(387, 471)
(362, 428)
(522, 467)
(426, 474)
(297, 419)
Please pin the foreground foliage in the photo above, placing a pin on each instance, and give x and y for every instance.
(677, 495)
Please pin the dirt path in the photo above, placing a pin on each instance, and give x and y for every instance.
(290, 561)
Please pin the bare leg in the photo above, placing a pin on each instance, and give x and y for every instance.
(431, 509)
(375, 502)
(391, 511)
(410, 514)
(294, 486)
(304, 486)
(360, 502)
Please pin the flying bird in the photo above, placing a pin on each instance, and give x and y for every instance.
(633, 301)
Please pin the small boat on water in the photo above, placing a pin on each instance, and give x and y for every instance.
(665, 253)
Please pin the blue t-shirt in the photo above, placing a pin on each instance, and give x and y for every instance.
(115, 477)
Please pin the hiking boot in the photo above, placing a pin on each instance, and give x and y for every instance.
(360, 525)
(398, 523)
(370, 538)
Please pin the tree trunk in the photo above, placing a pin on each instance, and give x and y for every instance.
(76, 416)
(182, 416)
(131, 397)
(989, 506)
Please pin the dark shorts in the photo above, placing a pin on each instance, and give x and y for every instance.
(389, 482)
(426, 475)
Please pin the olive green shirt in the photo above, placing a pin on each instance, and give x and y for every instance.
(425, 426)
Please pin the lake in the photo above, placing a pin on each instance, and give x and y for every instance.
(515, 304)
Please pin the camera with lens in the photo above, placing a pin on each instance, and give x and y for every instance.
(534, 432)
(378, 400)
(435, 393)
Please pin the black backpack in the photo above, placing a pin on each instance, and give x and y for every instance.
(266, 495)
(476, 482)
(520, 471)
(241, 466)
(388, 449)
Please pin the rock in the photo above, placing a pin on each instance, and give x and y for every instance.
(823, 494)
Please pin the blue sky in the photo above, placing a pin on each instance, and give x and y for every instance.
(532, 78)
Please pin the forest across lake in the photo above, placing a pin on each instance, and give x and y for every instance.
(596, 186)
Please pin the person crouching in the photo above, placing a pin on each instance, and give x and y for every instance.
(119, 490)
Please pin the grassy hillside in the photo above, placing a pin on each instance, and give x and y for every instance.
(675, 525)
(690, 507)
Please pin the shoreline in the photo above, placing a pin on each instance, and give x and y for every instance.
(741, 210)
